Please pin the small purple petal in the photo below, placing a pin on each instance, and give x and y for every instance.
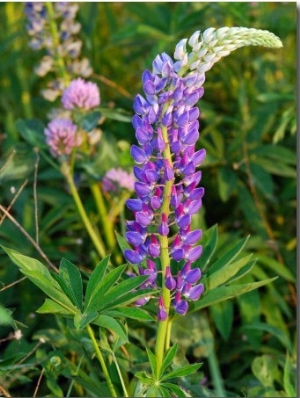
(199, 157)
(178, 254)
(195, 292)
(134, 204)
(191, 138)
(142, 301)
(134, 238)
(170, 282)
(192, 276)
(194, 253)
(138, 154)
(140, 105)
(142, 189)
(133, 256)
(184, 221)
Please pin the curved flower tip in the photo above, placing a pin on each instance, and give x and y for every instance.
(81, 94)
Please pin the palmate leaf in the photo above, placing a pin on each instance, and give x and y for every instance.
(37, 273)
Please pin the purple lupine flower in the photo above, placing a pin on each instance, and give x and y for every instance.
(81, 94)
(117, 178)
(62, 136)
(166, 121)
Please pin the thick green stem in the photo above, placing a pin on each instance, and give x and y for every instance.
(55, 38)
(102, 362)
(105, 223)
(94, 237)
(162, 332)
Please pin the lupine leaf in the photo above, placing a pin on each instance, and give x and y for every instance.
(209, 242)
(223, 274)
(113, 325)
(229, 256)
(102, 287)
(226, 292)
(243, 271)
(95, 279)
(182, 371)
(131, 312)
(72, 277)
(117, 292)
(152, 361)
(131, 297)
(37, 273)
(168, 359)
(52, 307)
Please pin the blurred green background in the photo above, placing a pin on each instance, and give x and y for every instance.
(248, 126)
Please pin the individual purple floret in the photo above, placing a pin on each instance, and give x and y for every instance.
(117, 178)
(81, 94)
(167, 129)
(62, 136)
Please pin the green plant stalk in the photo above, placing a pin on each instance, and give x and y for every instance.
(162, 332)
(102, 211)
(120, 375)
(216, 374)
(94, 237)
(102, 362)
(55, 37)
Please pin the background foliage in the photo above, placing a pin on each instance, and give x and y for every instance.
(248, 119)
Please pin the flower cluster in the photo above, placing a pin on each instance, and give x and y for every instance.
(167, 129)
(66, 46)
(62, 136)
(81, 94)
(117, 178)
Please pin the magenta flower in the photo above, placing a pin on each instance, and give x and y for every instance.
(62, 137)
(81, 94)
(118, 178)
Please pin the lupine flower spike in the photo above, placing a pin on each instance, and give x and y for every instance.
(167, 130)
